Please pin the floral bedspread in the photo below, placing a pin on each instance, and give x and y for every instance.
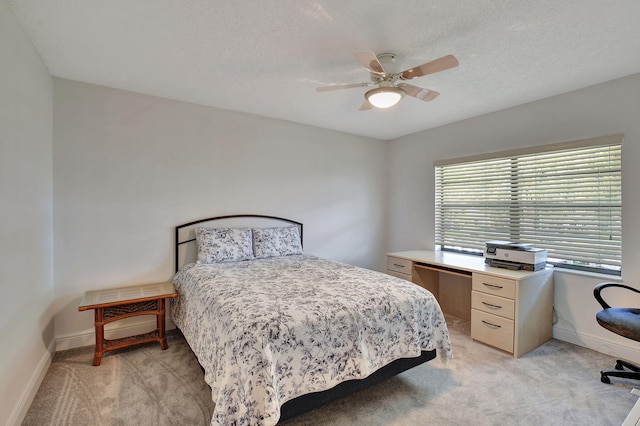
(268, 330)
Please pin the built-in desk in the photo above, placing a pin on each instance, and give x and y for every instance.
(509, 310)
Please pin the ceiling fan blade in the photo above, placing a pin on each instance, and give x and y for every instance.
(365, 106)
(434, 66)
(418, 92)
(342, 86)
(370, 62)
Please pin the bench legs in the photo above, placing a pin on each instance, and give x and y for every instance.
(99, 324)
(105, 345)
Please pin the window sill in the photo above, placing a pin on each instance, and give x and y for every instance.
(603, 277)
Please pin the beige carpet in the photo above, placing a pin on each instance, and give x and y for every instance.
(557, 384)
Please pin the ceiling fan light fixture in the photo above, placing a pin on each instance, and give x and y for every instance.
(384, 97)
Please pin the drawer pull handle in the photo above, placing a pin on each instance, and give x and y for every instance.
(491, 305)
(497, 287)
(491, 325)
(398, 265)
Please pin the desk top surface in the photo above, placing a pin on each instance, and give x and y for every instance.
(463, 262)
(124, 295)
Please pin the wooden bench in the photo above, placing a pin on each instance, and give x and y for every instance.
(119, 303)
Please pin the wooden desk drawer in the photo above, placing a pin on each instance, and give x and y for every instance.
(399, 265)
(502, 287)
(399, 275)
(492, 330)
(493, 304)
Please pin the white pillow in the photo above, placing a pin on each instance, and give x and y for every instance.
(273, 242)
(217, 245)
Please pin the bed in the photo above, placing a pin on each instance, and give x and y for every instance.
(279, 332)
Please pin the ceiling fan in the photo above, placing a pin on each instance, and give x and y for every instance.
(389, 91)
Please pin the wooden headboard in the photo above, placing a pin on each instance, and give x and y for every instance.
(186, 249)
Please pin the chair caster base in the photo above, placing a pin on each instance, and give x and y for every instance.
(623, 369)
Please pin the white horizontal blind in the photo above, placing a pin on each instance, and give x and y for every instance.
(567, 201)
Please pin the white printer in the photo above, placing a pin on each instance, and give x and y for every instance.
(510, 255)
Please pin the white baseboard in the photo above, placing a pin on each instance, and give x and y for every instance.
(88, 338)
(25, 400)
(629, 352)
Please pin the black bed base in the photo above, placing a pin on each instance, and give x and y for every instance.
(308, 402)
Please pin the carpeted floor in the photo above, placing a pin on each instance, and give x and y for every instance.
(556, 384)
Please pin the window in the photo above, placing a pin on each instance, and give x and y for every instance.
(565, 198)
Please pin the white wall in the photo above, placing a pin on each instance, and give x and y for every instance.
(130, 167)
(608, 108)
(26, 233)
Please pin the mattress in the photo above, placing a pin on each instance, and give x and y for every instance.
(266, 331)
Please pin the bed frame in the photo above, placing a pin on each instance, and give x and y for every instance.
(186, 252)
(186, 249)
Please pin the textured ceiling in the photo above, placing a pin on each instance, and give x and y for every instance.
(267, 57)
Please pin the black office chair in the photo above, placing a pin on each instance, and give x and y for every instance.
(622, 321)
